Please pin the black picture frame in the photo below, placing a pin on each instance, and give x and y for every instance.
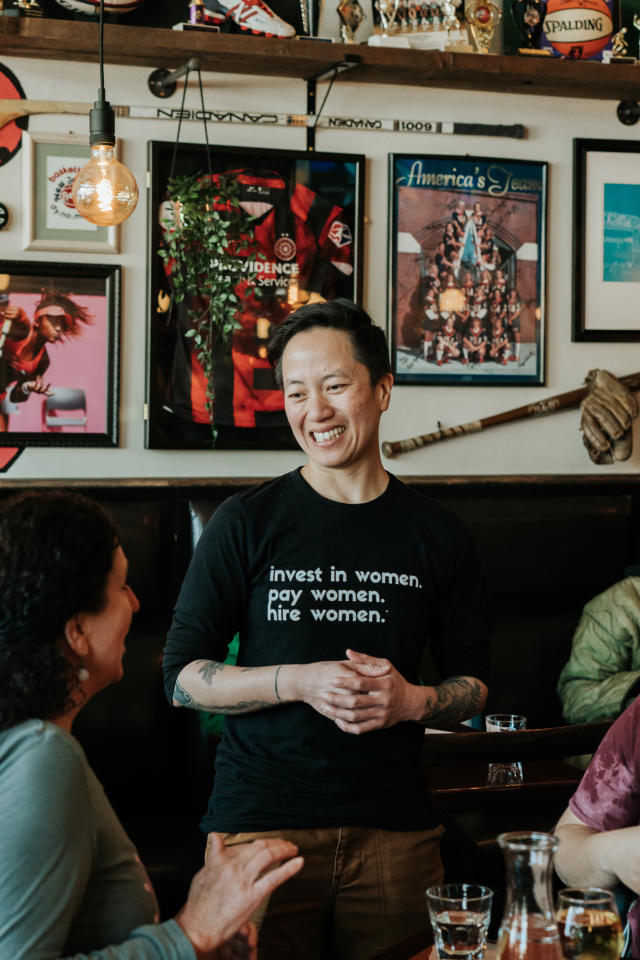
(82, 368)
(606, 253)
(460, 228)
(336, 181)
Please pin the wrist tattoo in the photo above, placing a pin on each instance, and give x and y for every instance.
(457, 698)
(275, 680)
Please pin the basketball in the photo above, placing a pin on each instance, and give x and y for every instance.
(93, 6)
(577, 29)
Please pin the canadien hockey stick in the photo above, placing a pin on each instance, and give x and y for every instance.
(14, 109)
(562, 401)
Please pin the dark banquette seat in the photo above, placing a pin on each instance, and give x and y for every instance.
(546, 544)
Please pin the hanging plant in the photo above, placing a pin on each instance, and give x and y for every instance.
(208, 247)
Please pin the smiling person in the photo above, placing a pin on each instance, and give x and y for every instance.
(337, 577)
(71, 882)
(23, 345)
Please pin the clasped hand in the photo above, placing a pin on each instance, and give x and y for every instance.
(361, 693)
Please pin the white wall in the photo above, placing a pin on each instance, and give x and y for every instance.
(549, 445)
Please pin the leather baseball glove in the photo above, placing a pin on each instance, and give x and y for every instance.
(607, 414)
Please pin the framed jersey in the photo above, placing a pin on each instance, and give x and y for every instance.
(304, 213)
(467, 269)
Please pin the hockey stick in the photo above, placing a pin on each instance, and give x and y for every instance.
(562, 401)
(14, 109)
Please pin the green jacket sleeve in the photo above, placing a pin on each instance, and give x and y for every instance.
(603, 672)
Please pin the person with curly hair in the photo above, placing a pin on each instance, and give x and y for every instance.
(23, 344)
(71, 882)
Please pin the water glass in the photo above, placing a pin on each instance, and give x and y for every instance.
(504, 774)
(459, 915)
(589, 924)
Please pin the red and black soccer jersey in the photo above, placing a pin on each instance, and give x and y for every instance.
(301, 243)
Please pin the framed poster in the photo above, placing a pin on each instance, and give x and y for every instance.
(606, 238)
(51, 221)
(305, 216)
(467, 269)
(59, 354)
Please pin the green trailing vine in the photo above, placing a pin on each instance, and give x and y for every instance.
(208, 245)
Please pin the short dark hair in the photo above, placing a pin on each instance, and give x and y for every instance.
(56, 553)
(367, 340)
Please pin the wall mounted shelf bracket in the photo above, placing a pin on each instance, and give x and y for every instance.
(348, 63)
(628, 112)
(162, 82)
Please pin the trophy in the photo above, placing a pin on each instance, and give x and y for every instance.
(529, 16)
(483, 16)
(387, 10)
(30, 8)
(351, 14)
(619, 52)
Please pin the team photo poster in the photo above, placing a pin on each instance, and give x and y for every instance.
(467, 269)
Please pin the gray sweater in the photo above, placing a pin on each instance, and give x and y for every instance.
(71, 882)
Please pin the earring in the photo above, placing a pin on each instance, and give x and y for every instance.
(83, 674)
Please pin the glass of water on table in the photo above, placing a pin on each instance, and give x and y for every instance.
(504, 774)
(459, 915)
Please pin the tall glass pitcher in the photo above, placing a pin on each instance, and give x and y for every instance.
(528, 928)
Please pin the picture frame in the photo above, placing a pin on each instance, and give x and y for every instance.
(59, 354)
(316, 199)
(467, 270)
(51, 222)
(606, 257)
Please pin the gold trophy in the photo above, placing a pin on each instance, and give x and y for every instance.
(483, 16)
(387, 10)
(30, 8)
(351, 14)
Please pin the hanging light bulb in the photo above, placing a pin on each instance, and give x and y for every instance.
(104, 191)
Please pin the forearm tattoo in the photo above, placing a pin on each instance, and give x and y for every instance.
(208, 670)
(275, 681)
(181, 696)
(457, 698)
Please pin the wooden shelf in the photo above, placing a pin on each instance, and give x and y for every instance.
(227, 53)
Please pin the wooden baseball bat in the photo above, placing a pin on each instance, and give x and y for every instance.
(562, 401)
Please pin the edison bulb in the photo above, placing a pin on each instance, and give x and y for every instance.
(105, 191)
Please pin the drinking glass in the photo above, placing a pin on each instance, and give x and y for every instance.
(459, 915)
(504, 774)
(589, 924)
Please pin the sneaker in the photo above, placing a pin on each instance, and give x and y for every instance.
(253, 16)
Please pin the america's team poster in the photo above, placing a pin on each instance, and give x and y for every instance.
(467, 268)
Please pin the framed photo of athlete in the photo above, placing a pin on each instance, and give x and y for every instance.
(51, 221)
(59, 354)
(606, 237)
(467, 270)
(302, 223)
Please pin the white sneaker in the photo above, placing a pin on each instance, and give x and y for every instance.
(254, 16)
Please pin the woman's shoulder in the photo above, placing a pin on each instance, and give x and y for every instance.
(40, 746)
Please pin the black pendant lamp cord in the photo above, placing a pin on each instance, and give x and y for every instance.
(101, 94)
(102, 118)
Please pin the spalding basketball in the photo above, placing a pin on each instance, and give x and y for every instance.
(577, 29)
(93, 6)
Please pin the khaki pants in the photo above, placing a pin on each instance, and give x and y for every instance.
(360, 891)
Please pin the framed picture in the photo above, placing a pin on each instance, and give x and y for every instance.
(59, 354)
(51, 221)
(606, 251)
(467, 269)
(305, 216)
